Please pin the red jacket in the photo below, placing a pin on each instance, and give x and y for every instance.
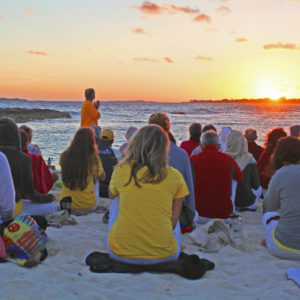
(213, 173)
(264, 168)
(255, 150)
(189, 146)
(42, 178)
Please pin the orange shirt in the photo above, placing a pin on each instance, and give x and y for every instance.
(89, 114)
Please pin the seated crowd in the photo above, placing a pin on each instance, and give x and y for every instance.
(156, 187)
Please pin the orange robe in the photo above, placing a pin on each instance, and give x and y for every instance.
(89, 114)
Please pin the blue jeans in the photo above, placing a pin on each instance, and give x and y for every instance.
(113, 214)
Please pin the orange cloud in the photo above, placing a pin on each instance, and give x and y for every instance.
(223, 9)
(241, 40)
(279, 45)
(29, 10)
(169, 60)
(37, 53)
(204, 58)
(145, 59)
(202, 18)
(138, 30)
(152, 8)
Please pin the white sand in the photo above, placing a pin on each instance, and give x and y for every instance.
(252, 274)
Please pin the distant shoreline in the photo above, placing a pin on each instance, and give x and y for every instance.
(244, 100)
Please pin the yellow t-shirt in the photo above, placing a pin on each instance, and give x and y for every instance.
(86, 199)
(143, 229)
(89, 114)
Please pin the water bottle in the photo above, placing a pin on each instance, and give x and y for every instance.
(49, 162)
(236, 230)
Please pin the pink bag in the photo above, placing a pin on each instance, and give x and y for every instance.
(2, 248)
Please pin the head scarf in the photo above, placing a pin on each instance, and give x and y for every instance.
(237, 148)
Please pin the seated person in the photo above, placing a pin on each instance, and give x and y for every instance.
(130, 131)
(195, 132)
(20, 165)
(264, 167)
(282, 220)
(178, 159)
(79, 164)
(208, 127)
(237, 148)
(213, 173)
(222, 137)
(33, 148)
(42, 177)
(253, 148)
(108, 158)
(295, 131)
(143, 223)
(7, 191)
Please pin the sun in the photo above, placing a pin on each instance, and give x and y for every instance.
(272, 89)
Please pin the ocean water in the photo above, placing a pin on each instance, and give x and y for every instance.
(53, 136)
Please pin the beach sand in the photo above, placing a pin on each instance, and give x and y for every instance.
(251, 274)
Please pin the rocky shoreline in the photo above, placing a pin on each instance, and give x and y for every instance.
(22, 115)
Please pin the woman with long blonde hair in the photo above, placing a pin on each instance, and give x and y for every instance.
(80, 163)
(148, 196)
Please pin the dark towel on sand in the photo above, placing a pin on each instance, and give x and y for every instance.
(188, 266)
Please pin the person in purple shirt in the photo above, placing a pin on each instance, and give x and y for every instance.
(179, 160)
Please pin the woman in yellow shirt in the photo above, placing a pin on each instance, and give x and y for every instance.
(148, 194)
(79, 164)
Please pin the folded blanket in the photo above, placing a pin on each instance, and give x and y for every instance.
(294, 274)
(188, 266)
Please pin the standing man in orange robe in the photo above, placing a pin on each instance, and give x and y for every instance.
(89, 109)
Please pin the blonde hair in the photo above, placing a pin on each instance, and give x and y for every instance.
(160, 119)
(148, 147)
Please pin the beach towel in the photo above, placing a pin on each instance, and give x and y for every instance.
(188, 266)
(293, 274)
(25, 242)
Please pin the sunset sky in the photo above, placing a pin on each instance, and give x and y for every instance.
(162, 50)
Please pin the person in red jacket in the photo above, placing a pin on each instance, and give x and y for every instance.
(253, 148)
(264, 167)
(42, 178)
(194, 141)
(213, 174)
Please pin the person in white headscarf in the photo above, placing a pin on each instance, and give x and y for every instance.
(246, 196)
(222, 137)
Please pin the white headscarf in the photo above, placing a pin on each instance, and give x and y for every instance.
(237, 148)
(222, 136)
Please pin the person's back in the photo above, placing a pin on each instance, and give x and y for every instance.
(264, 167)
(7, 190)
(108, 159)
(20, 165)
(42, 177)
(237, 148)
(150, 197)
(195, 132)
(213, 174)
(253, 148)
(79, 164)
(179, 160)
(282, 219)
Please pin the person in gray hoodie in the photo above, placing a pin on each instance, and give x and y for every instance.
(20, 165)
